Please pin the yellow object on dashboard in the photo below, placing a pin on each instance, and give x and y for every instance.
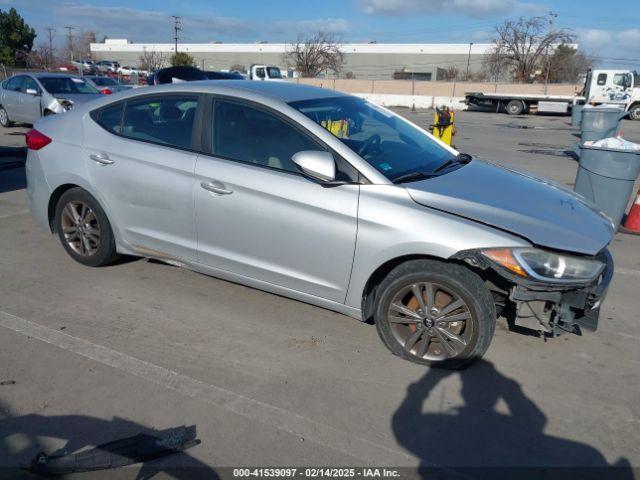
(339, 128)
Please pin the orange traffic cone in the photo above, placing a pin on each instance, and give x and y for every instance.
(633, 219)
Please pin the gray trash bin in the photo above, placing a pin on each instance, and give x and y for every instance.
(600, 122)
(606, 177)
(576, 114)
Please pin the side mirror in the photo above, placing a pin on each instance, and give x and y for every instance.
(316, 164)
(31, 91)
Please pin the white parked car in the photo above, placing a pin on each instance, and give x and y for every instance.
(127, 70)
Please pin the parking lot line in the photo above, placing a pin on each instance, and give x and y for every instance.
(626, 271)
(282, 419)
(9, 215)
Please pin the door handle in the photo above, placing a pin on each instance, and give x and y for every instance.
(216, 187)
(101, 158)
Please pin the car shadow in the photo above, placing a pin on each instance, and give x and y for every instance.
(12, 172)
(480, 440)
(20, 442)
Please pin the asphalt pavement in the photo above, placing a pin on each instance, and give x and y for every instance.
(92, 355)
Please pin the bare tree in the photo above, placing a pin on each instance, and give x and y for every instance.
(450, 73)
(39, 57)
(496, 66)
(236, 67)
(81, 45)
(523, 44)
(152, 60)
(315, 54)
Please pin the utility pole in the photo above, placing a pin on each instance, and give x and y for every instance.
(70, 40)
(50, 32)
(177, 27)
(468, 61)
(552, 16)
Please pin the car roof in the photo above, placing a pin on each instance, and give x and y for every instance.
(50, 74)
(281, 90)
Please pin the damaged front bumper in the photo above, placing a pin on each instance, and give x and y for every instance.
(553, 308)
(563, 309)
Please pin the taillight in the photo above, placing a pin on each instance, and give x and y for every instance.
(36, 140)
(106, 91)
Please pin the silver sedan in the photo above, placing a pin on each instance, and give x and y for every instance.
(27, 97)
(325, 198)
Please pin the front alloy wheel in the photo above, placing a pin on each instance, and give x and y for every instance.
(435, 313)
(430, 321)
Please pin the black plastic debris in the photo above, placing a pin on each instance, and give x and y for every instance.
(119, 453)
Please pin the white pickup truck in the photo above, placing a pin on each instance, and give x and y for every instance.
(264, 72)
(612, 87)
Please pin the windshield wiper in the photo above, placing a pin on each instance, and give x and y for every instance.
(412, 177)
(462, 158)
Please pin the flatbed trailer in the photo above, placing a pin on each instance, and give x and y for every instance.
(516, 104)
(601, 87)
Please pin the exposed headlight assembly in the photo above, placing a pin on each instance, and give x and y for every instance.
(546, 266)
(66, 104)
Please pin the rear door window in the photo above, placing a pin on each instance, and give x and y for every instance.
(167, 120)
(602, 78)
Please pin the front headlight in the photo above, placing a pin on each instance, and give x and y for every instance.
(546, 266)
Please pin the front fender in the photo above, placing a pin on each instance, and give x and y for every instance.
(391, 225)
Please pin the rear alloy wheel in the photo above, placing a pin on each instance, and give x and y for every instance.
(515, 107)
(435, 313)
(634, 112)
(4, 118)
(83, 229)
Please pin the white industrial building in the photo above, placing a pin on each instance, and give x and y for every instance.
(363, 60)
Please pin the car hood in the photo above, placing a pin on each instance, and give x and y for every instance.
(78, 98)
(544, 212)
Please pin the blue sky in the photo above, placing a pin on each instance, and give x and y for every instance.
(612, 33)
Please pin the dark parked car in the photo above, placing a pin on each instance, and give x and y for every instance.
(224, 76)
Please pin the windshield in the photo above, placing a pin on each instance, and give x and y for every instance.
(274, 72)
(66, 85)
(387, 142)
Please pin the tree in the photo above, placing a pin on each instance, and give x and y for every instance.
(79, 47)
(16, 38)
(566, 64)
(151, 60)
(496, 66)
(182, 59)
(449, 73)
(39, 57)
(315, 54)
(523, 44)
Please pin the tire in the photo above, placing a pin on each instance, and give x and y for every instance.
(86, 235)
(4, 118)
(47, 113)
(634, 112)
(515, 107)
(468, 337)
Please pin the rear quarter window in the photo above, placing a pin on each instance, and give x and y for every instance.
(109, 118)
